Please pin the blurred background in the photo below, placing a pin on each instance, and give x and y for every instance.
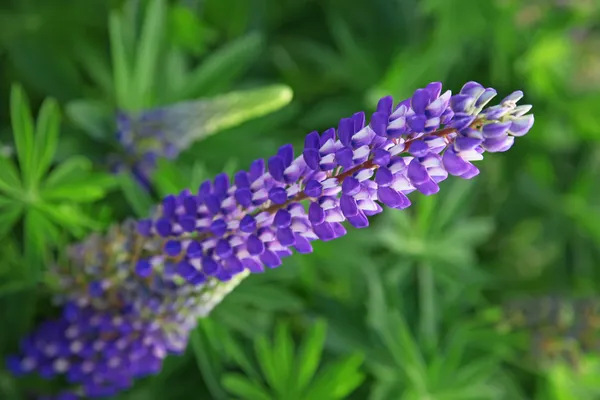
(488, 290)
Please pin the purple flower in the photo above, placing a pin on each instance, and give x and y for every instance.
(140, 289)
(344, 174)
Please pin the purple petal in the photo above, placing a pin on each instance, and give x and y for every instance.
(313, 188)
(348, 206)
(186, 270)
(282, 219)
(350, 186)
(454, 164)
(328, 134)
(316, 214)
(384, 177)
(248, 224)
(338, 229)
(466, 143)
(461, 103)
(218, 227)
(485, 98)
(419, 101)
(418, 148)
(520, 126)
(359, 221)
(381, 157)
(358, 121)
(168, 206)
(312, 141)
(276, 166)
(324, 231)
(213, 204)
(223, 249)
(257, 169)
(172, 248)
(253, 266)
(278, 195)
(471, 172)
(434, 89)
(472, 88)
(190, 205)
(497, 145)
(233, 265)
(254, 245)
(143, 268)
(302, 245)
(270, 259)
(495, 129)
(221, 184)
(194, 250)
(417, 123)
(286, 152)
(286, 236)
(461, 121)
(428, 188)
(163, 227)
(392, 198)
(344, 157)
(384, 105)
(345, 131)
(243, 197)
(379, 122)
(209, 266)
(312, 158)
(417, 173)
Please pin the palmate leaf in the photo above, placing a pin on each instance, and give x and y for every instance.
(23, 133)
(414, 371)
(9, 177)
(292, 375)
(10, 213)
(217, 72)
(148, 51)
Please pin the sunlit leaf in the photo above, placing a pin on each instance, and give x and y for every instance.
(148, 52)
(245, 388)
(23, 132)
(46, 139)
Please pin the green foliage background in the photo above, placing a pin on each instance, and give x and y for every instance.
(413, 307)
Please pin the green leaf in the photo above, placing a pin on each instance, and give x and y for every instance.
(202, 352)
(149, 47)
(221, 68)
(22, 124)
(265, 357)
(71, 170)
(309, 354)
(337, 380)
(168, 178)
(283, 352)
(71, 217)
(39, 233)
(92, 117)
(120, 62)
(244, 388)
(136, 196)
(90, 189)
(9, 215)
(9, 177)
(46, 140)
(237, 353)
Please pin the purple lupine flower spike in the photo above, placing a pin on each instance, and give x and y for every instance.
(145, 284)
(346, 173)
